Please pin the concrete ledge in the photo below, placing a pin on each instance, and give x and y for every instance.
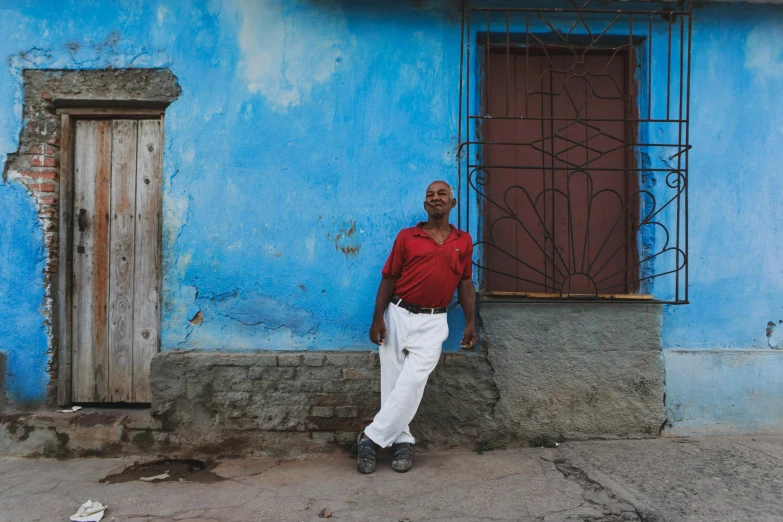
(723, 391)
(90, 432)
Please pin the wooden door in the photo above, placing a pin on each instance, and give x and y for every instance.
(116, 258)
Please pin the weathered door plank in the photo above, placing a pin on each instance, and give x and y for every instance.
(63, 317)
(147, 275)
(92, 179)
(123, 208)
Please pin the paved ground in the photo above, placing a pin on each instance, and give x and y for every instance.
(721, 479)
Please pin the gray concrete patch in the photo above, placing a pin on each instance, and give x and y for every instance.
(707, 478)
(569, 371)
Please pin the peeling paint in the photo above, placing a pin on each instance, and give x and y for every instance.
(774, 332)
(197, 319)
(265, 312)
(345, 240)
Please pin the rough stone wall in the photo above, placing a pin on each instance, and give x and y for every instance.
(307, 401)
(36, 164)
(575, 371)
(546, 372)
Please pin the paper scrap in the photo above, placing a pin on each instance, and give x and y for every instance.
(162, 476)
(71, 409)
(89, 512)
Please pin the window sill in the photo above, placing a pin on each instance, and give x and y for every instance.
(535, 296)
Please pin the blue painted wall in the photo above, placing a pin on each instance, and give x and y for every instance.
(724, 370)
(722, 392)
(736, 216)
(303, 139)
(22, 332)
(302, 142)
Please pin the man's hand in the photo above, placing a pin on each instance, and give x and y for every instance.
(378, 331)
(469, 338)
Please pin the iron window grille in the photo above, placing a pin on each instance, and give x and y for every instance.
(654, 40)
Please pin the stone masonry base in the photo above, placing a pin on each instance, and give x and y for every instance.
(544, 373)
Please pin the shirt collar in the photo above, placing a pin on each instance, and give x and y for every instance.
(419, 232)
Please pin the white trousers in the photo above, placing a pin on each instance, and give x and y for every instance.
(408, 355)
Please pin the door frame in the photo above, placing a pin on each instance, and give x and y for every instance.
(62, 291)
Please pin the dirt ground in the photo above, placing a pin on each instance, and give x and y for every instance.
(718, 478)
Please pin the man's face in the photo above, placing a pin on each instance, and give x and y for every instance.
(438, 200)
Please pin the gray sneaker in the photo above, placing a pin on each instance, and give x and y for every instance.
(365, 454)
(403, 456)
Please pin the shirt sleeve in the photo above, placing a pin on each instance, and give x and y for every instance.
(393, 267)
(467, 273)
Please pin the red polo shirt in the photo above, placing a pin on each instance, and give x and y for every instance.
(429, 273)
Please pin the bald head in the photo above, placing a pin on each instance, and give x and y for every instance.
(439, 200)
(439, 183)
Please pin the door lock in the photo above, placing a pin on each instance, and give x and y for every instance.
(82, 219)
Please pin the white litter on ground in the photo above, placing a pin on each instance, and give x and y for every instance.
(162, 476)
(71, 409)
(89, 512)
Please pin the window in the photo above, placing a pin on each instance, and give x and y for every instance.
(573, 126)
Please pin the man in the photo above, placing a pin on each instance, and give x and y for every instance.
(427, 264)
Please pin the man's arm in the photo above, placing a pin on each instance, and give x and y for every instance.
(467, 300)
(385, 292)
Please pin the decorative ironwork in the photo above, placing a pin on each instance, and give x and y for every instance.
(573, 155)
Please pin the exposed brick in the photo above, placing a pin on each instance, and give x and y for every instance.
(289, 360)
(322, 411)
(346, 411)
(38, 149)
(42, 187)
(39, 174)
(314, 359)
(47, 200)
(353, 374)
(45, 161)
(54, 140)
